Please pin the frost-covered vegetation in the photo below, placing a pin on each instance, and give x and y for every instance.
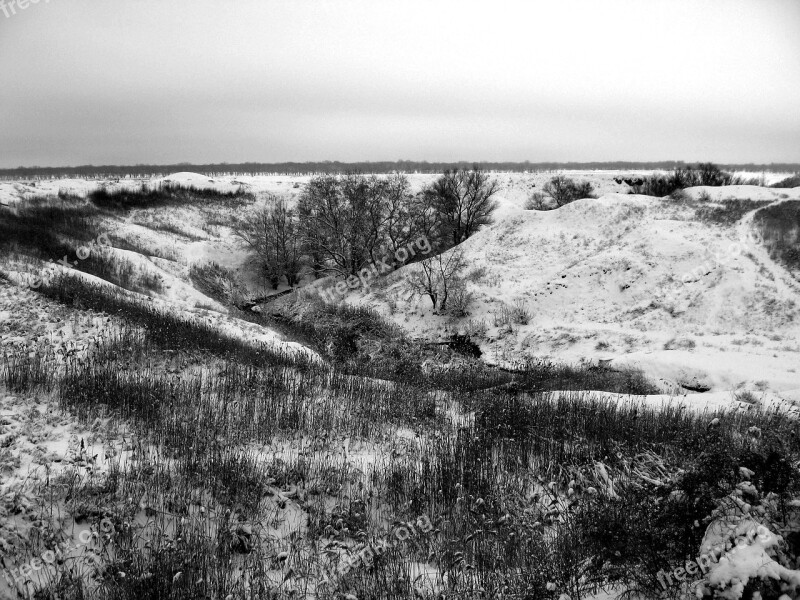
(280, 468)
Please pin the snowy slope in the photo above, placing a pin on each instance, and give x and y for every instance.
(633, 278)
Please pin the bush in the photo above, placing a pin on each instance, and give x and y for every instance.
(537, 201)
(460, 300)
(520, 313)
(349, 336)
(564, 190)
(216, 282)
(475, 328)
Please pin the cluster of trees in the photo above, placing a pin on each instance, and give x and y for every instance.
(345, 223)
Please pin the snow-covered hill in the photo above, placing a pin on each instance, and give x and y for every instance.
(631, 278)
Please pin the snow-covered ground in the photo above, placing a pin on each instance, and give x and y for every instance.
(634, 279)
(615, 280)
(622, 279)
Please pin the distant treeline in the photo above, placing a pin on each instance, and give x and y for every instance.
(310, 168)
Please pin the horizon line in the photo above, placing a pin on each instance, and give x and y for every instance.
(322, 165)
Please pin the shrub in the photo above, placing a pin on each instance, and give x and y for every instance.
(475, 328)
(564, 190)
(351, 337)
(537, 201)
(502, 317)
(520, 313)
(460, 300)
(216, 282)
(506, 315)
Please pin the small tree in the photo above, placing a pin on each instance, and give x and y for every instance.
(439, 277)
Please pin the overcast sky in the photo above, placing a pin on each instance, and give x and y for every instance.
(165, 81)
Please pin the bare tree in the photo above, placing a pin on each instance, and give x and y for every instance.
(463, 200)
(324, 226)
(271, 232)
(365, 202)
(288, 244)
(398, 223)
(438, 277)
(309, 229)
